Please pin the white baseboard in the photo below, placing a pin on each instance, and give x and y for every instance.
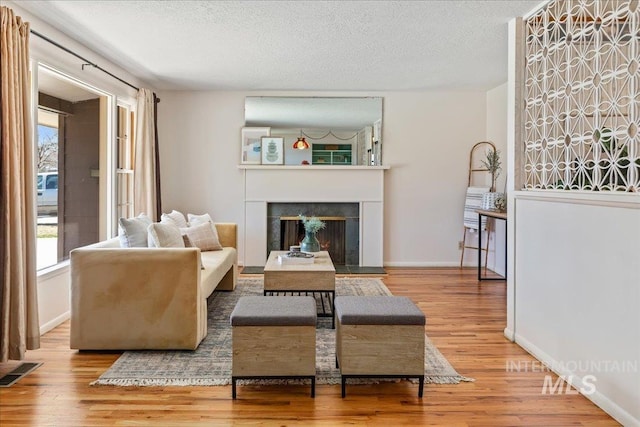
(435, 264)
(55, 322)
(600, 400)
(426, 264)
(508, 334)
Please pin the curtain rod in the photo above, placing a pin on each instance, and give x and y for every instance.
(87, 62)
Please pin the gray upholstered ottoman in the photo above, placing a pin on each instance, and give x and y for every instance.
(274, 337)
(379, 337)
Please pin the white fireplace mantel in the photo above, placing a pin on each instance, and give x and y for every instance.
(314, 184)
(312, 167)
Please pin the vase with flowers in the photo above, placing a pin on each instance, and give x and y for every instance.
(312, 225)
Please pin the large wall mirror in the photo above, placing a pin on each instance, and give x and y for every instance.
(333, 130)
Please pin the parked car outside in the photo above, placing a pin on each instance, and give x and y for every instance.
(47, 193)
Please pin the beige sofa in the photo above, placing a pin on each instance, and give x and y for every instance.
(147, 298)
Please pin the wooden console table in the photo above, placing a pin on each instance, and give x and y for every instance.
(496, 215)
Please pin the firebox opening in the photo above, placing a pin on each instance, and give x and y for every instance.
(331, 238)
(346, 237)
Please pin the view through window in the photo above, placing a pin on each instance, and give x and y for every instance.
(47, 187)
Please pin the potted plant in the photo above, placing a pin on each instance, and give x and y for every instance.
(492, 164)
(312, 225)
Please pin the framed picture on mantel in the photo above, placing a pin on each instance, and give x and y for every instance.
(251, 144)
(272, 150)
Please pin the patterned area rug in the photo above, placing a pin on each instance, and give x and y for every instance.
(210, 363)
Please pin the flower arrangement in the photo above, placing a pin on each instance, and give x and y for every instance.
(312, 224)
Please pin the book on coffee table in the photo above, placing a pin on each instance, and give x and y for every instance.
(296, 258)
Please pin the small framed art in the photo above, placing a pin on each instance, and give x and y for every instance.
(251, 144)
(272, 150)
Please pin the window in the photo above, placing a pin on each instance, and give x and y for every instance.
(71, 177)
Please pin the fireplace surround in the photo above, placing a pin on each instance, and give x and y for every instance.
(362, 186)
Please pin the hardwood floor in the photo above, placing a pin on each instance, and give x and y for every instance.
(464, 319)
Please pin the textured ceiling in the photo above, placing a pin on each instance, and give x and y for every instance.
(296, 45)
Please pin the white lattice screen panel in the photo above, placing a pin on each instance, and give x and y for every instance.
(582, 96)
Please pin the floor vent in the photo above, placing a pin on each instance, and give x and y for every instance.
(12, 377)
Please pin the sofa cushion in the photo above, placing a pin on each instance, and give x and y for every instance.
(132, 232)
(274, 311)
(216, 265)
(377, 310)
(175, 217)
(165, 235)
(203, 236)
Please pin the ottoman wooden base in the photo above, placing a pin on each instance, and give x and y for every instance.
(271, 349)
(389, 344)
(263, 352)
(380, 351)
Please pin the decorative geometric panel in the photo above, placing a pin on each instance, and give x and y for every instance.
(581, 123)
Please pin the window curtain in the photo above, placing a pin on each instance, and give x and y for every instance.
(19, 324)
(147, 165)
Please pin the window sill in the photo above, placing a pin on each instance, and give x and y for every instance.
(53, 271)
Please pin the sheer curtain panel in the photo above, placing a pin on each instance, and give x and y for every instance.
(146, 173)
(19, 326)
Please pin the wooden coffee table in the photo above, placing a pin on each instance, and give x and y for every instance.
(319, 277)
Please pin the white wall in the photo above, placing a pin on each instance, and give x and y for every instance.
(497, 128)
(54, 304)
(199, 138)
(577, 291)
(497, 133)
(426, 141)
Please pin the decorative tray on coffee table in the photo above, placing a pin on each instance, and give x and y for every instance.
(296, 258)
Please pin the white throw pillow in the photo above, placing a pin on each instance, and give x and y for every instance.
(205, 219)
(175, 217)
(165, 235)
(203, 237)
(199, 219)
(132, 232)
